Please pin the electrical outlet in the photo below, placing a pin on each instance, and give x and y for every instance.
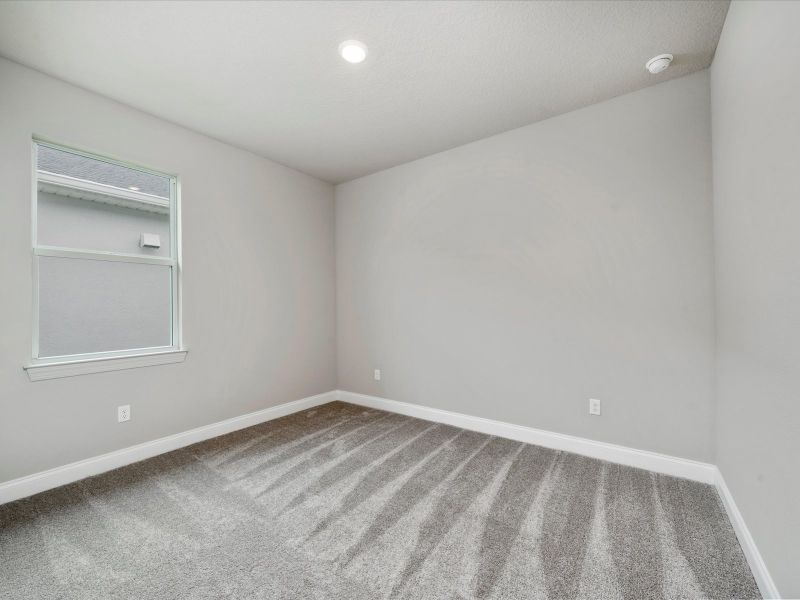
(594, 406)
(377, 375)
(124, 413)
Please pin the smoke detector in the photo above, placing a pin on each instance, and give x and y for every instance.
(659, 63)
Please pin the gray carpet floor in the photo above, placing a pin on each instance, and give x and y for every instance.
(342, 502)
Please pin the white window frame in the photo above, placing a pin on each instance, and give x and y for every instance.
(78, 364)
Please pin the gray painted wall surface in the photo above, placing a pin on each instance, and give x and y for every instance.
(76, 223)
(97, 306)
(755, 94)
(518, 276)
(258, 304)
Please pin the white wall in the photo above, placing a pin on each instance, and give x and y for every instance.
(755, 96)
(518, 276)
(258, 303)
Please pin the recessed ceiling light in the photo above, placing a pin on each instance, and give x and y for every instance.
(353, 51)
(134, 188)
(658, 63)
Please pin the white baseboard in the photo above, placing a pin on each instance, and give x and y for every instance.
(660, 463)
(45, 480)
(643, 459)
(765, 583)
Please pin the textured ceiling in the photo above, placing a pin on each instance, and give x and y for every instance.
(266, 76)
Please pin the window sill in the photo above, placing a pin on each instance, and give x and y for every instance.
(70, 368)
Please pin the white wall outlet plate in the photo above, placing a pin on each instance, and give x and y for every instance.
(377, 375)
(124, 413)
(594, 406)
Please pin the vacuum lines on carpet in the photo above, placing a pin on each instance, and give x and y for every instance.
(343, 502)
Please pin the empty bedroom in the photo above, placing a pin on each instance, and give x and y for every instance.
(408, 300)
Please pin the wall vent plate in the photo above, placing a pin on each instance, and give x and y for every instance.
(150, 240)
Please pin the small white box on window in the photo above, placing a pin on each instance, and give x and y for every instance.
(150, 240)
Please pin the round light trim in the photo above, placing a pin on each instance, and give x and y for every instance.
(353, 51)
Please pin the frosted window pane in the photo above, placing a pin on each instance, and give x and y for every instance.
(88, 306)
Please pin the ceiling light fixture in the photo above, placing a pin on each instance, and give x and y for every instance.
(353, 51)
(659, 63)
(134, 188)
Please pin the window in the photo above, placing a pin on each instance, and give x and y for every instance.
(106, 270)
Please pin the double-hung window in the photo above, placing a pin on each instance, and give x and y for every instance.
(105, 264)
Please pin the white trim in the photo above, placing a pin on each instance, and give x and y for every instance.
(67, 365)
(670, 465)
(54, 369)
(87, 356)
(643, 459)
(177, 269)
(34, 260)
(45, 480)
(757, 565)
(60, 252)
(73, 187)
